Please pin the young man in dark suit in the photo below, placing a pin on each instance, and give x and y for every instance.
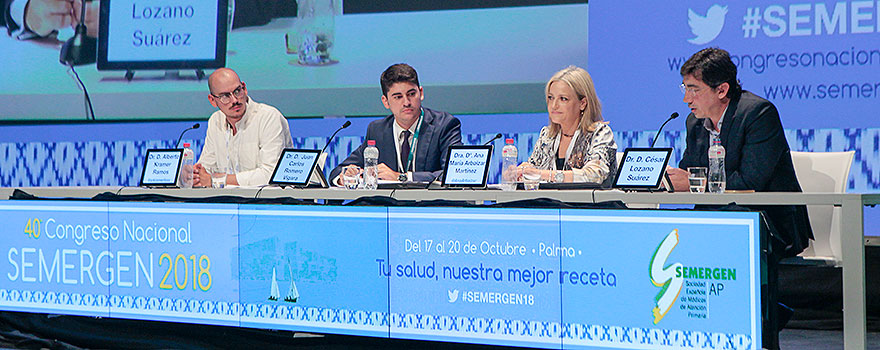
(412, 141)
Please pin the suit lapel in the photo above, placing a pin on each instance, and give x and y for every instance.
(386, 142)
(730, 122)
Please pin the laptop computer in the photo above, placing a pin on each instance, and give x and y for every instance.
(161, 167)
(642, 168)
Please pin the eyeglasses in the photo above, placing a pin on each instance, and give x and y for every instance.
(685, 90)
(693, 91)
(226, 97)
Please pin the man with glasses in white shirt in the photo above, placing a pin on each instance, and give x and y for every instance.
(244, 137)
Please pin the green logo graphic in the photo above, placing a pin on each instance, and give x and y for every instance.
(664, 277)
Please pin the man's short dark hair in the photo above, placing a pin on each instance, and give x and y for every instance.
(398, 73)
(713, 67)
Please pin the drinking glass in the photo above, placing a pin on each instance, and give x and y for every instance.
(218, 177)
(531, 178)
(351, 177)
(697, 179)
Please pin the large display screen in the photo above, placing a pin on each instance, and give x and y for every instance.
(162, 34)
(547, 278)
(322, 65)
(817, 61)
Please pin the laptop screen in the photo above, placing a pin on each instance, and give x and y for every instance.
(467, 166)
(294, 167)
(642, 168)
(161, 167)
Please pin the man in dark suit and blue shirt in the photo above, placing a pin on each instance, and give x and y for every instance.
(757, 154)
(412, 141)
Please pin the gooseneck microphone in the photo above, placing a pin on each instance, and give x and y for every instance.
(671, 117)
(345, 125)
(320, 168)
(497, 136)
(195, 126)
(665, 174)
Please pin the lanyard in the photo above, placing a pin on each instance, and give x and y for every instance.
(556, 142)
(412, 145)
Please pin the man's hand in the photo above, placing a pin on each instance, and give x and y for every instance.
(93, 8)
(44, 16)
(352, 170)
(201, 177)
(385, 173)
(679, 178)
(349, 170)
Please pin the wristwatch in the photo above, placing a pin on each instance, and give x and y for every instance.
(558, 176)
(401, 177)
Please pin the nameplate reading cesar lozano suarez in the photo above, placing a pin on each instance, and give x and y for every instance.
(642, 167)
(159, 30)
(467, 165)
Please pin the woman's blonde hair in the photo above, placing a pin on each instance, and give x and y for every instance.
(582, 84)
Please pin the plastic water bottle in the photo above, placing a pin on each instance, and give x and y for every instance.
(186, 167)
(371, 166)
(508, 166)
(717, 175)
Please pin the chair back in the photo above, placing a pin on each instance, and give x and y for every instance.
(824, 172)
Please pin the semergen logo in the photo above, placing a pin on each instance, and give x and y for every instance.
(698, 282)
(665, 277)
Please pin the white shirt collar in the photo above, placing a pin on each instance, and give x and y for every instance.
(397, 129)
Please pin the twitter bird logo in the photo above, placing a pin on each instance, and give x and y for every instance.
(707, 27)
(453, 295)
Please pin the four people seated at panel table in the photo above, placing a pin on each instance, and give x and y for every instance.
(247, 137)
(576, 145)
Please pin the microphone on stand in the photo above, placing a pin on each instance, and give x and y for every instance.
(195, 126)
(671, 117)
(319, 170)
(674, 115)
(345, 125)
(80, 49)
(497, 136)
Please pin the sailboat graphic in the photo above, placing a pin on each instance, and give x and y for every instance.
(292, 293)
(275, 293)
